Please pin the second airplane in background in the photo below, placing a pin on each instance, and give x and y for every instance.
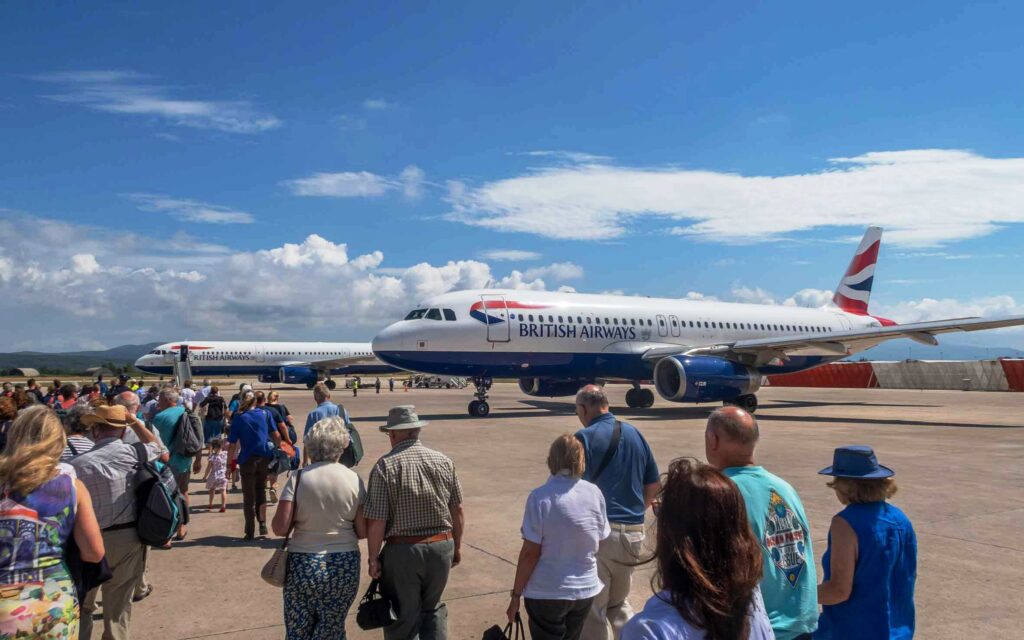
(284, 362)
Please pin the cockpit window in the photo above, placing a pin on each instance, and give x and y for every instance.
(449, 315)
(434, 314)
(416, 314)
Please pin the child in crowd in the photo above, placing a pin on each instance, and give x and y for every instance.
(216, 474)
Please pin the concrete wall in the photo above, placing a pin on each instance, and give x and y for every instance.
(967, 375)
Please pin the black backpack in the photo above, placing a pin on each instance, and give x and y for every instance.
(188, 435)
(160, 506)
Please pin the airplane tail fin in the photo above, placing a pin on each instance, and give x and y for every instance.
(854, 290)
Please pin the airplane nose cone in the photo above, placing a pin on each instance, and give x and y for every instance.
(390, 338)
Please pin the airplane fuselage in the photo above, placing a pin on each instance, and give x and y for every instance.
(498, 333)
(211, 358)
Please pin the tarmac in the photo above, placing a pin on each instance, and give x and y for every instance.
(957, 457)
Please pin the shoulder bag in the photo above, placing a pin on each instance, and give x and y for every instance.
(376, 610)
(609, 453)
(275, 571)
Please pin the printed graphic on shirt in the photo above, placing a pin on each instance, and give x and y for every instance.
(785, 539)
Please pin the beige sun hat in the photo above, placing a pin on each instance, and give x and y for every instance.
(403, 418)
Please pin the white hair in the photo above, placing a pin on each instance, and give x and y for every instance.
(327, 440)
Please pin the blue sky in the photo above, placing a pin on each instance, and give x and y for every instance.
(155, 156)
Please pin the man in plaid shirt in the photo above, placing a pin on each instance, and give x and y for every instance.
(414, 503)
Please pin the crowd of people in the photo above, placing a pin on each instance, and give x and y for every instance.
(732, 546)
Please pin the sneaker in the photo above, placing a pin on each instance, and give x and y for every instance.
(273, 495)
(248, 537)
(263, 529)
(223, 509)
(142, 595)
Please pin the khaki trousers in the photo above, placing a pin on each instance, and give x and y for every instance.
(616, 560)
(125, 557)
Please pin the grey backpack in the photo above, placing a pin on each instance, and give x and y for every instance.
(188, 436)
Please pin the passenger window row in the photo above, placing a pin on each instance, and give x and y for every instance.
(676, 323)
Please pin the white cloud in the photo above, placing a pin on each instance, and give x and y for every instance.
(511, 255)
(348, 122)
(189, 210)
(358, 184)
(555, 271)
(751, 295)
(576, 157)
(122, 282)
(942, 309)
(135, 94)
(378, 104)
(814, 298)
(924, 198)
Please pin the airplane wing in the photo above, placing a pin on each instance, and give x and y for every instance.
(761, 351)
(340, 363)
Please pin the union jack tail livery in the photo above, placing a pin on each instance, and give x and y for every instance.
(854, 290)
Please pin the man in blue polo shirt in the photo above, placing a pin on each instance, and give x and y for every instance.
(324, 409)
(789, 585)
(627, 475)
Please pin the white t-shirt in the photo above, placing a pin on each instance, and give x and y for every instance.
(567, 518)
(329, 496)
(661, 621)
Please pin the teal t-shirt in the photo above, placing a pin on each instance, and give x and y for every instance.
(790, 583)
(165, 423)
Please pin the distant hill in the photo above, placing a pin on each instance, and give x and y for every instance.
(75, 362)
(903, 349)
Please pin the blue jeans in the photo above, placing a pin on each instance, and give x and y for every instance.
(319, 589)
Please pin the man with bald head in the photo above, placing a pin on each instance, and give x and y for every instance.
(776, 515)
(619, 461)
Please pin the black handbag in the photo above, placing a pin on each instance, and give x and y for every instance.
(511, 632)
(375, 610)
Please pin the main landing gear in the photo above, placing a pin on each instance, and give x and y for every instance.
(748, 403)
(479, 407)
(330, 384)
(639, 398)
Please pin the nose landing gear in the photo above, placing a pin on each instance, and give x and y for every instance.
(479, 408)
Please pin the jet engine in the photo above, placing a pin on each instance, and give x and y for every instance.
(703, 379)
(551, 387)
(297, 375)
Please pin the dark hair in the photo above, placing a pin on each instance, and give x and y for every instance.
(707, 557)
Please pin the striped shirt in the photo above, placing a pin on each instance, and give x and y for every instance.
(414, 489)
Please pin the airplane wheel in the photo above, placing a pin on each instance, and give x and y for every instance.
(330, 384)
(748, 403)
(632, 401)
(646, 398)
(479, 409)
(310, 385)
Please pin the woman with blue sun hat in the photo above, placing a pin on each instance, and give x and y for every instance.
(871, 562)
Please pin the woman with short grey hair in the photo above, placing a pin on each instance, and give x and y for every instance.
(321, 505)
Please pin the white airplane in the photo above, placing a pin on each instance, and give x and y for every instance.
(694, 351)
(284, 362)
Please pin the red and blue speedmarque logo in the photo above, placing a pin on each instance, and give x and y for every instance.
(479, 310)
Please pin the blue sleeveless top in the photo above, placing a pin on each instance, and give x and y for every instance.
(881, 604)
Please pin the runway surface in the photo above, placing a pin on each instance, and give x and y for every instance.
(959, 458)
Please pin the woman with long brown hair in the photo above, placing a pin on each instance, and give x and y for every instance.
(709, 564)
(42, 504)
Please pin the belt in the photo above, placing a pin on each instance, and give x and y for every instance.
(439, 537)
(619, 526)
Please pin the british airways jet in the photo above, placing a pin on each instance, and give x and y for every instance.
(285, 362)
(694, 351)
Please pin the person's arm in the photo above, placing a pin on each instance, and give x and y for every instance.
(282, 518)
(651, 492)
(148, 437)
(529, 556)
(87, 529)
(842, 565)
(375, 530)
(458, 526)
(360, 523)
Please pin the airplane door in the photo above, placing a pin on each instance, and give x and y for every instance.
(674, 326)
(662, 326)
(261, 355)
(499, 328)
(844, 321)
